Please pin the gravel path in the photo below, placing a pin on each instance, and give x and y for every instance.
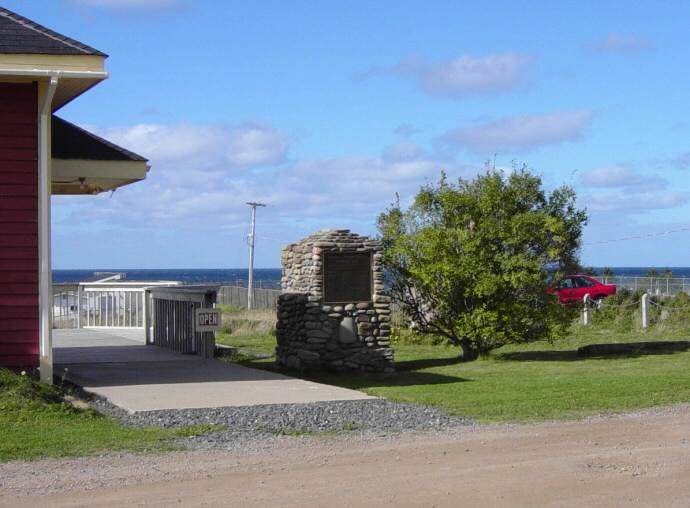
(634, 459)
(243, 425)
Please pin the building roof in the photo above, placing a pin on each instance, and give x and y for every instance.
(72, 142)
(23, 36)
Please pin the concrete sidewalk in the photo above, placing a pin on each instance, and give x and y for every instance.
(137, 377)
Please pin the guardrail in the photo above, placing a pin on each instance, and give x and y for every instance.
(653, 285)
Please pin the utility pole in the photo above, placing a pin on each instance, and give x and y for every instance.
(252, 235)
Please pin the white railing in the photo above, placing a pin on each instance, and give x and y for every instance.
(115, 304)
(65, 305)
(112, 308)
(652, 285)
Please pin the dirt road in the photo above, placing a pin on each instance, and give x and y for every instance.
(641, 459)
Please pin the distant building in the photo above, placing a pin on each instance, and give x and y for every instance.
(42, 154)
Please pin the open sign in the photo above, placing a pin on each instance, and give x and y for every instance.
(206, 320)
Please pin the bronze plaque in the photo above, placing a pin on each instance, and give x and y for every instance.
(347, 277)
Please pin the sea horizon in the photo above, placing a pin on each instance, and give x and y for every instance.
(270, 277)
(263, 277)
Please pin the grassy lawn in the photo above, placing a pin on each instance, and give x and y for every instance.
(516, 383)
(530, 382)
(250, 332)
(36, 422)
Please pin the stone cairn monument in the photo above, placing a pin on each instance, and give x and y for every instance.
(334, 313)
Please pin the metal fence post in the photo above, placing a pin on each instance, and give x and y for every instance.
(147, 312)
(585, 311)
(645, 310)
(79, 306)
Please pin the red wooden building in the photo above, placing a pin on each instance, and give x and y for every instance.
(41, 155)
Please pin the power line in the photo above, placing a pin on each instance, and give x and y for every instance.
(641, 237)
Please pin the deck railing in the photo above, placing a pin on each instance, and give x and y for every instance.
(65, 305)
(172, 319)
(116, 304)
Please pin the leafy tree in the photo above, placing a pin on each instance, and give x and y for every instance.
(471, 260)
(652, 273)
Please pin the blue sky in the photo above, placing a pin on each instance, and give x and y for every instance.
(325, 110)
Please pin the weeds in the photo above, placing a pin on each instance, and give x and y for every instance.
(622, 312)
(239, 322)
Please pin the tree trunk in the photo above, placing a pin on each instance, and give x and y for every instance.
(469, 354)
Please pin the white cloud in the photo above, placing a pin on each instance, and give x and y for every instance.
(254, 145)
(621, 177)
(462, 76)
(620, 43)
(635, 202)
(240, 146)
(348, 188)
(624, 191)
(128, 4)
(520, 133)
(192, 184)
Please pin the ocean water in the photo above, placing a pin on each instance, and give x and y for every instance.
(270, 277)
(641, 271)
(263, 277)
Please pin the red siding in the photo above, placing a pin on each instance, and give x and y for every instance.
(19, 343)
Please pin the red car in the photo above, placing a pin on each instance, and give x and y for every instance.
(573, 288)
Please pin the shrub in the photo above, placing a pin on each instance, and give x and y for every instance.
(471, 260)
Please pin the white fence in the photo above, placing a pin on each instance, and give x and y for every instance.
(645, 305)
(102, 305)
(651, 285)
(237, 297)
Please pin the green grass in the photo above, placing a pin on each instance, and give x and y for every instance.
(36, 423)
(520, 383)
(516, 383)
(252, 333)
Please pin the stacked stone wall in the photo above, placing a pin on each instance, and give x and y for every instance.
(343, 336)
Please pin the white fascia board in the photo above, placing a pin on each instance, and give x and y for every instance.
(72, 169)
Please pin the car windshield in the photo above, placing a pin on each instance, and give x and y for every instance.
(581, 282)
(566, 284)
